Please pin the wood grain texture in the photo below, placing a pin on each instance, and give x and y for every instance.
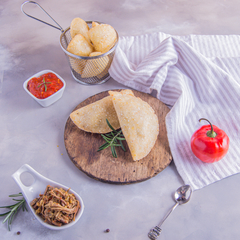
(82, 149)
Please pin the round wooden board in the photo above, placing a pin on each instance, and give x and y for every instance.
(82, 149)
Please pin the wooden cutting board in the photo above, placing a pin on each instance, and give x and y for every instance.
(82, 149)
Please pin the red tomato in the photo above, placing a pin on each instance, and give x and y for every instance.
(209, 143)
(45, 85)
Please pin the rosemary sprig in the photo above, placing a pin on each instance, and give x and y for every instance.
(113, 139)
(45, 84)
(21, 203)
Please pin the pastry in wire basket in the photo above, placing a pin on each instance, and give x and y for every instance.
(90, 40)
(103, 37)
(80, 46)
(95, 67)
(77, 26)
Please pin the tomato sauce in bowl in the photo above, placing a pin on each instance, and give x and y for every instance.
(45, 85)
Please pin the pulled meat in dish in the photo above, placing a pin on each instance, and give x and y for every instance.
(56, 206)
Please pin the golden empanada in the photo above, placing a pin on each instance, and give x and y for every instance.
(77, 64)
(94, 24)
(80, 46)
(138, 122)
(77, 26)
(103, 37)
(92, 117)
(94, 67)
(93, 54)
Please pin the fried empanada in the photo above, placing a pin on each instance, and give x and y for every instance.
(138, 122)
(92, 117)
(94, 24)
(77, 64)
(103, 37)
(80, 46)
(93, 54)
(77, 26)
(94, 67)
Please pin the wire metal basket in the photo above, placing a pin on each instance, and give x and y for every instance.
(85, 70)
(88, 70)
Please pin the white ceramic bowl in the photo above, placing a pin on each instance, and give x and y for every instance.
(51, 99)
(38, 186)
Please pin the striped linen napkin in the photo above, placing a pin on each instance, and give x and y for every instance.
(198, 77)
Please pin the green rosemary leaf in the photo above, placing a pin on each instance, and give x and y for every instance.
(24, 208)
(45, 84)
(11, 219)
(105, 145)
(10, 206)
(120, 138)
(40, 85)
(113, 151)
(3, 214)
(108, 135)
(123, 148)
(106, 139)
(102, 148)
(16, 195)
(7, 217)
(14, 209)
(113, 139)
(18, 200)
(16, 206)
(108, 123)
(116, 145)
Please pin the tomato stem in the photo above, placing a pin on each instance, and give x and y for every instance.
(211, 133)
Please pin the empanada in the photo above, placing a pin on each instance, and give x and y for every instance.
(138, 122)
(92, 117)
(103, 37)
(77, 26)
(94, 24)
(80, 46)
(77, 64)
(93, 54)
(94, 67)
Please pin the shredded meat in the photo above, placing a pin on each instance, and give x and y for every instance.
(56, 206)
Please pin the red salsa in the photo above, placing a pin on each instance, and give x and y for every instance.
(45, 85)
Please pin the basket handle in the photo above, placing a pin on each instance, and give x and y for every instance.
(59, 27)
